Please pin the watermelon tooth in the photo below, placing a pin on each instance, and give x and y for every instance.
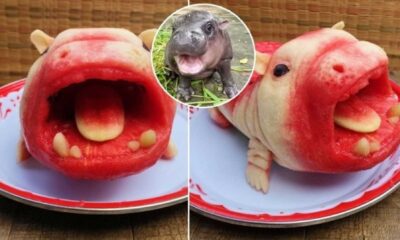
(393, 120)
(61, 145)
(148, 138)
(133, 145)
(374, 146)
(394, 111)
(171, 152)
(362, 147)
(75, 152)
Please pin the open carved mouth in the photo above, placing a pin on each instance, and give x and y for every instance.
(189, 65)
(95, 111)
(365, 117)
(92, 109)
(89, 114)
(118, 120)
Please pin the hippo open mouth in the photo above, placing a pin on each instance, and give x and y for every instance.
(89, 116)
(189, 65)
(95, 111)
(92, 108)
(366, 115)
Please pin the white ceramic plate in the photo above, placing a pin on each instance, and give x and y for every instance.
(162, 185)
(218, 188)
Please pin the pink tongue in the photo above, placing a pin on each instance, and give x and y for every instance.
(189, 64)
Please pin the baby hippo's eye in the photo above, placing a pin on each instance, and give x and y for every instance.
(280, 70)
(208, 28)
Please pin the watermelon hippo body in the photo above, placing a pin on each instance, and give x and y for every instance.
(322, 102)
(91, 107)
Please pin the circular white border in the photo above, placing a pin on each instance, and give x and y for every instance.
(197, 5)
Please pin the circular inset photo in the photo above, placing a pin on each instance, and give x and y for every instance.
(203, 55)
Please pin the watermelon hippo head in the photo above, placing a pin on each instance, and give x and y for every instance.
(322, 102)
(91, 107)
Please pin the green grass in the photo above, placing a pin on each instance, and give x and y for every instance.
(207, 93)
(158, 60)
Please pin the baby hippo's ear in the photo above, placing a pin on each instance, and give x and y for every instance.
(223, 24)
(262, 60)
(41, 40)
(147, 37)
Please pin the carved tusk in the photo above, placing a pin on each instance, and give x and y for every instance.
(340, 25)
(41, 40)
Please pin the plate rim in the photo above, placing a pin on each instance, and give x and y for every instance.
(218, 211)
(85, 207)
(91, 207)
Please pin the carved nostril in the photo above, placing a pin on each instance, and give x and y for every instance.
(338, 68)
(64, 54)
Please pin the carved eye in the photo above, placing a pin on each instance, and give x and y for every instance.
(280, 70)
(209, 28)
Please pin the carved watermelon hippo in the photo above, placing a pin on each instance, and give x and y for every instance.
(91, 107)
(322, 102)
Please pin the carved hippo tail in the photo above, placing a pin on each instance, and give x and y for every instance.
(322, 102)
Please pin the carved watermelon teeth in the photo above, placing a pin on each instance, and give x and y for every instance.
(61, 145)
(394, 111)
(363, 120)
(95, 112)
(75, 152)
(171, 152)
(364, 147)
(134, 145)
(148, 138)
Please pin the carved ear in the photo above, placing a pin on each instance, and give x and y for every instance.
(340, 25)
(147, 37)
(224, 24)
(41, 40)
(262, 60)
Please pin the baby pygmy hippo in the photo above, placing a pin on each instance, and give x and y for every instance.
(199, 47)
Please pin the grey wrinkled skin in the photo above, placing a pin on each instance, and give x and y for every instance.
(201, 34)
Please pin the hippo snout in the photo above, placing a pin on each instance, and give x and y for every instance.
(343, 71)
(188, 42)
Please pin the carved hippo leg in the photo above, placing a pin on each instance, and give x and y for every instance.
(224, 71)
(259, 164)
(185, 89)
